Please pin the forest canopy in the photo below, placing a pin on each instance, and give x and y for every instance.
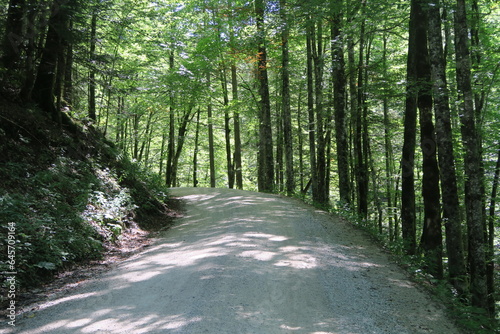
(386, 111)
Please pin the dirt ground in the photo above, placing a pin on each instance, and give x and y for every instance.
(241, 262)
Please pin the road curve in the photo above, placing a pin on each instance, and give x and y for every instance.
(241, 262)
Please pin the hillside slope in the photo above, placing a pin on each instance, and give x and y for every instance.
(66, 196)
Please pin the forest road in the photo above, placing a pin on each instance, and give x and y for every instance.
(240, 262)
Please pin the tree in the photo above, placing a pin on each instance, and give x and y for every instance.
(285, 95)
(444, 138)
(431, 240)
(44, 90)
(265, 155)
(92, 56)
(408, 219)
(474, 195)
(339, 93)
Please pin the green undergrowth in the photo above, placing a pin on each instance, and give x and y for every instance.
(65, 195)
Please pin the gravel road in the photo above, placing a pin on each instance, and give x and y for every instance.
(242, 262)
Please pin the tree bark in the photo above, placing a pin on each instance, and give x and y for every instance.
(211, 146)
(44, 88)
(472, 162)
(237, 131)
(360, 133)
(195, 153)
(388, 151)
(431, 240)
(491, 240)
(444, 137)
(339, 93)
(285, 95)
(227, 129)
(92, 82)
(321, 195)
(265, 155)
(408, 219)
(171, 130)
(310, 112)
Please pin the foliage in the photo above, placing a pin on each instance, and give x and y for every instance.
(68, 200)
(168, 75)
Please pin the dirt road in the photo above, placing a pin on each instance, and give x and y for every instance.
(242, 262)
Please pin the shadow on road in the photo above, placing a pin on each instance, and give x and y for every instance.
(240, 262)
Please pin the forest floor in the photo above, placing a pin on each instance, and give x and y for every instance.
(243, 262)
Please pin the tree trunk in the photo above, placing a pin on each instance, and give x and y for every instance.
(360, 134)
(408, 219)
(285, 95)
(44, 88)
(265, 155)
(388, 152)
(280, 150)
(211, 146)
(181, 139)
(68, 78)
(227, 130)
(32, 34)
(339, 93)
(431, 240)
(310, 112)
(171, 131)
(92, 82)
(444, 137)
(472, 163)
(195, 153)
(321, 195)
(237, 131)
(491, 240)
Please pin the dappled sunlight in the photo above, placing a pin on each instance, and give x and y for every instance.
(290, 328)
(68, 299)
(270, 237)
(259, 255)
(219, 261)
(298, 261)
(137, 276)
(80, 323)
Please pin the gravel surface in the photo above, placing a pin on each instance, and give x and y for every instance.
(243, 262)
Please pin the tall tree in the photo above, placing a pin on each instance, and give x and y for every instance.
(44, 90)
(92, 56)
(444, 138)
(339, 95)
(360, 128)
(389, 163)
(408, 219)
(310, 109)
(491, 236)
(285, 95)
(431, 240)
(265, 155)
(474, 195)
(211, 145)
(171, 126)
(237, 129)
